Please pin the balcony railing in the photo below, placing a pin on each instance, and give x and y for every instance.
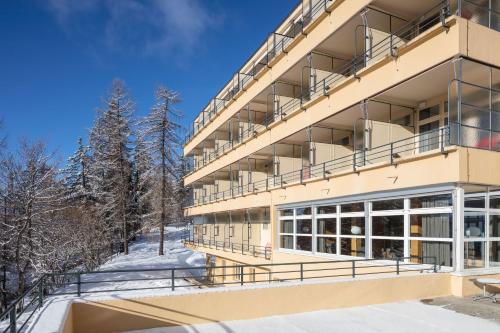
(240, 248)
(479, 13)
(275, 45)
(391, 152)
(387, 46)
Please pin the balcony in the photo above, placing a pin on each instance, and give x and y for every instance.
(323, 81)
(257, 251)
(433, 140)
(275, 45)
(328, 72)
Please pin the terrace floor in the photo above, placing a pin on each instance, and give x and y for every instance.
(402, 317)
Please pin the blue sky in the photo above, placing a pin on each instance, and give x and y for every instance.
(58, 57)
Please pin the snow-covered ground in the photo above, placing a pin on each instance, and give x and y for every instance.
(403, 317)
(143, 255)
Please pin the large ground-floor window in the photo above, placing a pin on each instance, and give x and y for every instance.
(418, 227)
(481, 227)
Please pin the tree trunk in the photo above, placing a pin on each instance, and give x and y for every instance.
(163, 193)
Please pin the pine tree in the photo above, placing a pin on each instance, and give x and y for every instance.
(161, 129)
(143, 183)
(77, 174)
(112, 169)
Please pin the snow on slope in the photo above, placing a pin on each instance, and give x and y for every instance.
(143, 254)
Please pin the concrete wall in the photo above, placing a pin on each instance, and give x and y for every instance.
(216, 306)
(467, 285)
(467, 165)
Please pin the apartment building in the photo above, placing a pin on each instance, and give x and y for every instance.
(358, 129)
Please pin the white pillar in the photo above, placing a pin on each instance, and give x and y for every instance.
(458, 223)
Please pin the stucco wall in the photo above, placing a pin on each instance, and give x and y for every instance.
(216, 306)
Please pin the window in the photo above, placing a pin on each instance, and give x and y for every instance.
(286, 226)
(481, 227)
(304, 243)
(431, 225)
(286, 212)
(352, 247)
(494, 226)
(495, 254)
(474, 224)
(216, 230)
(204, 230)
(304, 226)
(429, 136)
(388, 204)
(286, 242)
(431, 201)
(387, 248)
(303, 211)
(424, 252)
(322, 210)
(392, 226)
(327, 245)
(352, 207)
(474, 202)
(474, 255)
(354, 226)
(427, 113)
(495, 202)
(326, 226)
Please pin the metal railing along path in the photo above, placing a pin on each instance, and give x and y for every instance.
(78, 284)
(22, 309)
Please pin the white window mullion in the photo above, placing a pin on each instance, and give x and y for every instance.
(406, 226)
(338, 230)
(487, 231)
(458, 222)
(294, 229)
(368, 230)
(314, 230)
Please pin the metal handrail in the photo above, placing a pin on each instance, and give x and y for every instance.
(254, 250)
(432, 140)
(351, 67)
(56, 284)
(319, 7)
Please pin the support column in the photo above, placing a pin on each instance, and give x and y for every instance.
(458, 223)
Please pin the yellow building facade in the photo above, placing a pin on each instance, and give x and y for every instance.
(359, 129)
